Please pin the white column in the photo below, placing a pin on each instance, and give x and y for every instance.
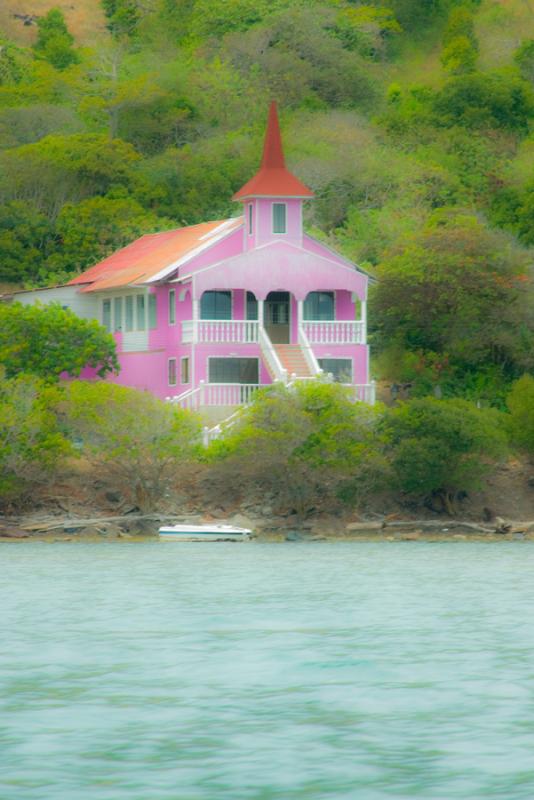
(260, 313)
(195, 320)
(364, 321)
(300, 306)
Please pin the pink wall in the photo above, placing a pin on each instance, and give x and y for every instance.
(345, 308)
(262, 222)
(231, 245)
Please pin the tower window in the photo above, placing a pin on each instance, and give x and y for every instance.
(279, 218)
(250, 219)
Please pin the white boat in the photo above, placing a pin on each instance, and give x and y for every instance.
(203, 533)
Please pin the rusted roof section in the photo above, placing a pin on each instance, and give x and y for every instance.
(153, 255)
(273, 179)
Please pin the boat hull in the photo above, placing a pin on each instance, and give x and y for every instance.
(204, 533)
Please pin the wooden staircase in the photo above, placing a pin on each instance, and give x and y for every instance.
(292, 359)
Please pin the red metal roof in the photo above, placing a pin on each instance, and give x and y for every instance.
(146, 257)
(273, 179)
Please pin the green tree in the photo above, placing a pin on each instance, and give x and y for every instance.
(91, 230)
(123, 16)
(32, 446)
(524, 58)
(26, 239)
(460, 44)
(520, 403)
(460, 291)
(54, 42)
(61, 169)
(440, 448)
(489, 100)
(47, 341)
(143, 445)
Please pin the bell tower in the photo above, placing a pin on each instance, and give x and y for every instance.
(273, 198)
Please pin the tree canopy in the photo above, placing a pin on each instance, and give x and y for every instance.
(46, 341)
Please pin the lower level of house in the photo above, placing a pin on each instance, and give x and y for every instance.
(234, 344)
(218, 349)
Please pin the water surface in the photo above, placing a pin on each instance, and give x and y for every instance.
(229, 671)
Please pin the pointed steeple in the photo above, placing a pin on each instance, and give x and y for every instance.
(273, 154)
(273, 179)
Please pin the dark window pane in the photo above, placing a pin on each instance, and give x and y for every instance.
(233, 370)
(279, 217)
(319, 306)
(172, 372)
(252, 306)
(152, 312)
(216, 305)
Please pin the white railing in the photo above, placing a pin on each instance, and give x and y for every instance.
(216, 394)
(215, 331)
(189, 400)
(307, 352)
(363, 392)
(278, 373)
(228, 394)
(334, 332)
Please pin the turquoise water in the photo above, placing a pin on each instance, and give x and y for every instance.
(153, 671)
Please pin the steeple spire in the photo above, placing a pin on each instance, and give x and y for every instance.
(273, 179)
(273, 154)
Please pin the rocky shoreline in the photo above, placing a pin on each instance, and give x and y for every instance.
(143, 527)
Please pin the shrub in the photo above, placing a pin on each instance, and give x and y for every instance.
(520, 403)
(305, 445)
(31, 443)
(140, 444)
(440, 448)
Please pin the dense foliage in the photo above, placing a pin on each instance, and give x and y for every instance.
(439, 448)
(46, 341)
(139, 443)
(32, 445)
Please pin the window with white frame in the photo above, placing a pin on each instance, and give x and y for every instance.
(129, 308)
(106, 314)
(184, 370)
(250, 212)
(172, 307)
(171, 372)
(339, 368)
(140, 312)
(279, 217)
(152, 312)
(117, 313)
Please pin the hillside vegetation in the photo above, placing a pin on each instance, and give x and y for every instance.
(410, 119)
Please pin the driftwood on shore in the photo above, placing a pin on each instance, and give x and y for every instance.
(72, 524)
(440, 525)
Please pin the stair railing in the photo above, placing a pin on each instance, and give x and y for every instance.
(271, 357)
(309, 355)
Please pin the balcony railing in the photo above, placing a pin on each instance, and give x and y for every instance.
(220, 331)
(334, 332)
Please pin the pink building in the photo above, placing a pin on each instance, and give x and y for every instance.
(205, 314)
